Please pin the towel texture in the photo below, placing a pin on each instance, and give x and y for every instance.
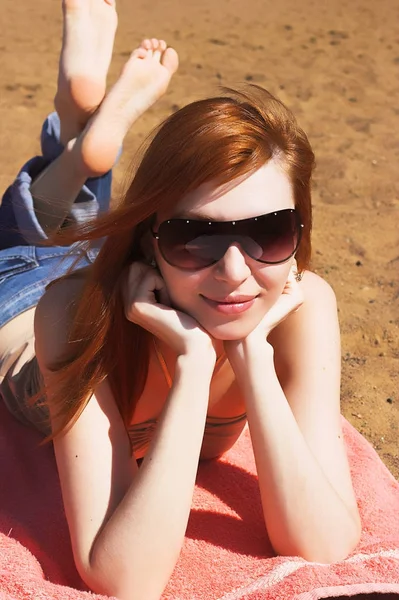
(226, 554)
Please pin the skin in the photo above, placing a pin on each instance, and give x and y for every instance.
(292, 418)
(265, 191)
(93, 126)
(89, 28)
(282, 369)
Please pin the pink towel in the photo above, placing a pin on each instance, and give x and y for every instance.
(225, 556)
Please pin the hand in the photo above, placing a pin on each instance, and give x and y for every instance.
(147, 303)
(290, 300)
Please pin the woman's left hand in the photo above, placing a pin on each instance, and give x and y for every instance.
(289, 301)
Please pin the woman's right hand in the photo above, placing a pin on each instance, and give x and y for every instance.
(147, 303)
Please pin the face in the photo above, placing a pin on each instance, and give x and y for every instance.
(207, 294)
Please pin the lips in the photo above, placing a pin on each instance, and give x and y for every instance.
(231, 305)
(231, 299)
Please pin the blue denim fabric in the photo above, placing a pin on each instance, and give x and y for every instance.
(25, 266)
(18, 223)
(26, 270)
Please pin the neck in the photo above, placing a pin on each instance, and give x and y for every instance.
(170, 355)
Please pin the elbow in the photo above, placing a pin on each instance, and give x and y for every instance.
(96, 581)
(349, 538)
(102, 580)
(104, 584)
(327, 549)
(119, 581)
(333, 553)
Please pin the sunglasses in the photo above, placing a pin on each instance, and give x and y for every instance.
(196, 244)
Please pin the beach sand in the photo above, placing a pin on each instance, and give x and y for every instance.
(336, 66)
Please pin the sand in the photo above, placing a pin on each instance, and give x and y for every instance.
(336, 66)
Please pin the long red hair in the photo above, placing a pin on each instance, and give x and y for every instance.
(217, 139)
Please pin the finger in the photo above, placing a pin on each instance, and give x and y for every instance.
(286, 305)
(135, 273)
(290, 300)
(164, 297)
(291, 281)
(150, 283)
(293, 289)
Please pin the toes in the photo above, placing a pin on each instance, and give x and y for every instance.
(154, 44)
(156, 48)
(152, 47)
(146, 44)
(139, 52)
(170, 60)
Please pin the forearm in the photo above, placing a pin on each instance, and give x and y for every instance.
(56, 188)
(137, 550)
(304, 514)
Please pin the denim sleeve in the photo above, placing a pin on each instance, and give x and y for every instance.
(18, 223)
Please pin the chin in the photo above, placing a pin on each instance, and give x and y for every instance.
(235, 330)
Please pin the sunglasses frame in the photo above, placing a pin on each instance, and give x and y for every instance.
(299, 226)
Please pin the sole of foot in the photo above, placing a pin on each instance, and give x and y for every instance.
(144, 79)
(89, 28)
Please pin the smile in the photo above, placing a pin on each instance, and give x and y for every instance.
(233, 305)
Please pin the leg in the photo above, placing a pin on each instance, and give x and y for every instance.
(26, 220)
(44, 194)
(88, 37)
(144, 79)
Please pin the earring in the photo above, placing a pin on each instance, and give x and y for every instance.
(298, 276)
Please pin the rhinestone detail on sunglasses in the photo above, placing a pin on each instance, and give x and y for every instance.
(194, 244)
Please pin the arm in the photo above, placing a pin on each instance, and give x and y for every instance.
(292, 391)
(126, 524)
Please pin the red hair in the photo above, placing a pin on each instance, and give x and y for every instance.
(217, 139)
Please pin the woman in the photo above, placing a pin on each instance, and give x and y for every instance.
(199, 314)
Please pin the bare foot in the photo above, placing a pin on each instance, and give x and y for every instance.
(88, 37)
(144, 79)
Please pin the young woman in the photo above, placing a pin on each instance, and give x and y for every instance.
(198, 315)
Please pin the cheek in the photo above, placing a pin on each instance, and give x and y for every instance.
(182, 287)
(272, 280)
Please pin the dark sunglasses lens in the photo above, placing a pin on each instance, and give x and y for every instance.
(185, 245)
(278, 236)
(271, 238)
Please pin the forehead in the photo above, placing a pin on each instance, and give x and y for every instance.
(266, 190)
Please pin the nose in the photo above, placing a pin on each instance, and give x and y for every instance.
(232, 266)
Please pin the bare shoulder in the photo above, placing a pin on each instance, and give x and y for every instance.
(53, 317)
(319, 301)
(315, 289)
(312, 328)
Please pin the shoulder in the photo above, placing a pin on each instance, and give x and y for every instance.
(316, 289)
(311, 331)
(53, 318)
(319, 302)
